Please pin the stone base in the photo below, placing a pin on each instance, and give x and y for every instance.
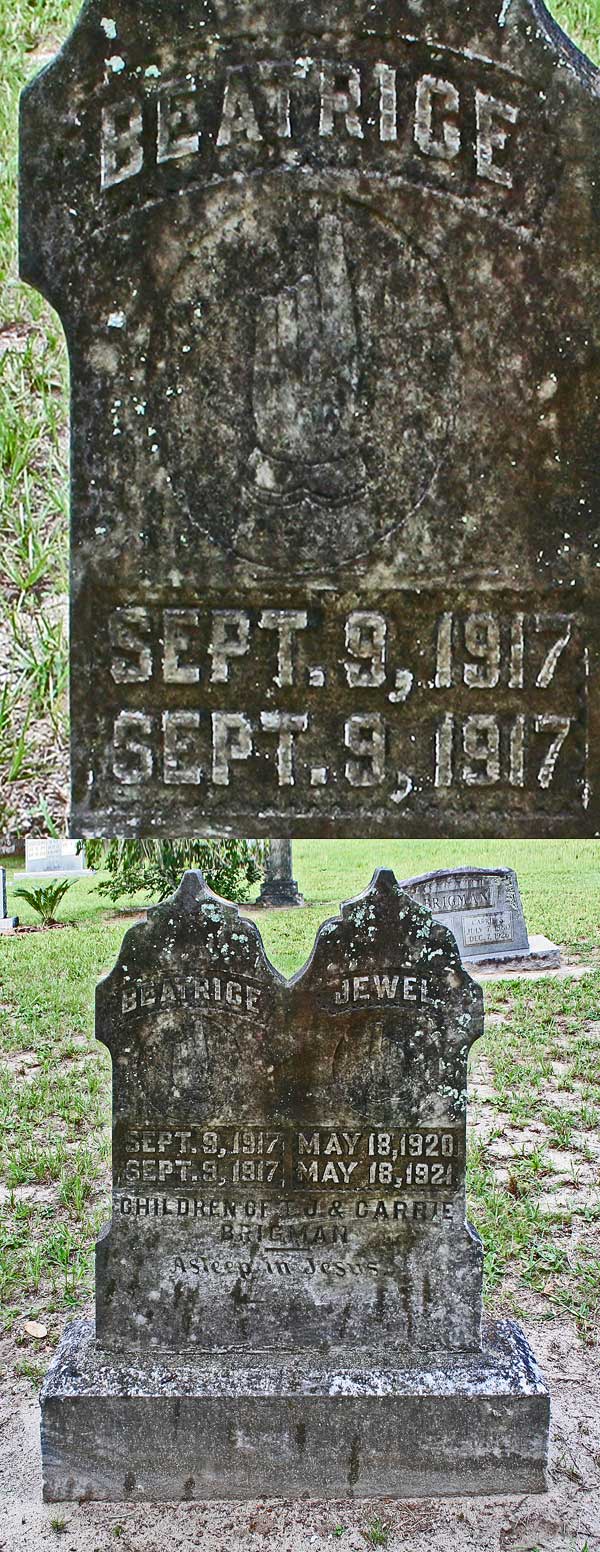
(297, 1427)
(541, 955)
(8, 924)
(49, 877)
(280, 892)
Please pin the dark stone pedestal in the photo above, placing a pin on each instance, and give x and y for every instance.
(280, 888)
(280, 892)
(171, 1429)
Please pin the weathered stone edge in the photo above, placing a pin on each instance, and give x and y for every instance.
(541, 955)
(474, 1424)
(505, 1366)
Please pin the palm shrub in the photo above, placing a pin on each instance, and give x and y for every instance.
(157, 867)
(46, 899)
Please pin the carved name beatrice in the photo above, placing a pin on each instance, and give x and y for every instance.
(289, 1156)
(330, 287)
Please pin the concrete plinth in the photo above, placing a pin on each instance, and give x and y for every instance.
(170, 1429)
(51, 876)
(541, 955)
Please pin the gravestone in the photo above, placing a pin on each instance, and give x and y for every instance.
(280, 887)
(329, 278)
(482, 909)
(7, 923)
(288, 1296)
(55, 857)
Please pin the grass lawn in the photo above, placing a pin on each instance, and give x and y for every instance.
(534, 1171)
(560, 884)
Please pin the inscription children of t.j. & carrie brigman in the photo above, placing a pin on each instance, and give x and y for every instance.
(288, 1296)
(330, 281)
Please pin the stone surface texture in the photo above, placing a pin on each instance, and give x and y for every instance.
(323, 583)
(255, 1123)
(305, 1428)
(288, 1207)
(280, 887)
(482, 908)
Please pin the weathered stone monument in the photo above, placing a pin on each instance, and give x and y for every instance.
(330, 282)
(288, 1297)
(280, 887)
(482, 909)
(54, 857)
(7, 923)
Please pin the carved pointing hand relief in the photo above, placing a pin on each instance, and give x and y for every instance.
(304, 382)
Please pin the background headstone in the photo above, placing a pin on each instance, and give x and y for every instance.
(7, 923)
(322, 584)
(289, 1225)
(280, 887)
(54, 857)
(482, 909)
